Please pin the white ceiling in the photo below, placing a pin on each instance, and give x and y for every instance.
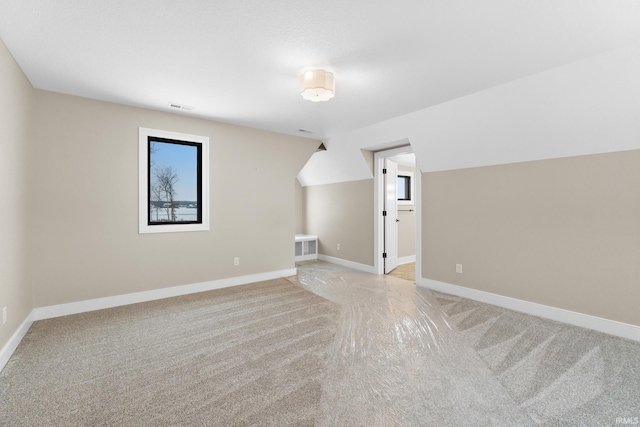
(408, 159)
(239, 61)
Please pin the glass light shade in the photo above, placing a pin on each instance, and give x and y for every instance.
(317, 85)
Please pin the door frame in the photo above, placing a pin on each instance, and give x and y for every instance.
(378, 202)
(390, 221)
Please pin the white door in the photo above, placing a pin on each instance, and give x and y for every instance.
(391, 217)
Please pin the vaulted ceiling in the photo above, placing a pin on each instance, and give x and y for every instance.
(239, 61)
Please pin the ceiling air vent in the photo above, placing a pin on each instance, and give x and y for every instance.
(305, 131)
(181, 106)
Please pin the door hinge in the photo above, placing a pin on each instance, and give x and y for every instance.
(384, 171)
(384, 213)
(384, 254)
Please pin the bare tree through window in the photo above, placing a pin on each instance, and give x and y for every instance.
(174, 182)
(166, 180)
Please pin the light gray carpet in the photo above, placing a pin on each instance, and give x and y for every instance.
(557, 374)
(247, 355)
(330, 347)
(409, 356)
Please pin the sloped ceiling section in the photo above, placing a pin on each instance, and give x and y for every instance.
(586, 107)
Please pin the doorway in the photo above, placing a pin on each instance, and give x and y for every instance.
(397, 212)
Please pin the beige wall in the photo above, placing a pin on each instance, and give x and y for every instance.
(299, 207)
(17, 102)
(562, 232)
(407, 224)
(85, 198)
(342, 213)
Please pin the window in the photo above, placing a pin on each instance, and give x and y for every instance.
(404, 189)
(173, 182)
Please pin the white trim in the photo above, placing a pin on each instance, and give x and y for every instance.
(378, 206)
(346, 263)
(599, 324)
(48, 312)
(12, 344)
(406, 259)
(143, 164)
(418, 223)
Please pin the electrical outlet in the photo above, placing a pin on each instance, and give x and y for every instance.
(338, 246)
(459, 268)
(236, 261)
(4, 315)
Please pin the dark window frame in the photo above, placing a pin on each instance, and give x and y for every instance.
(150, 140)
(144, 182)
(406, 197)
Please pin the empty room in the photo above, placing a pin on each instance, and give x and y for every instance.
(320, 213)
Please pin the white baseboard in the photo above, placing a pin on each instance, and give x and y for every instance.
(406, 259)
(346, 263)
(12, 344)
(599, 324)
(48, 312)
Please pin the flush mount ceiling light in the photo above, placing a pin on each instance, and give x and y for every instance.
(317, 85)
